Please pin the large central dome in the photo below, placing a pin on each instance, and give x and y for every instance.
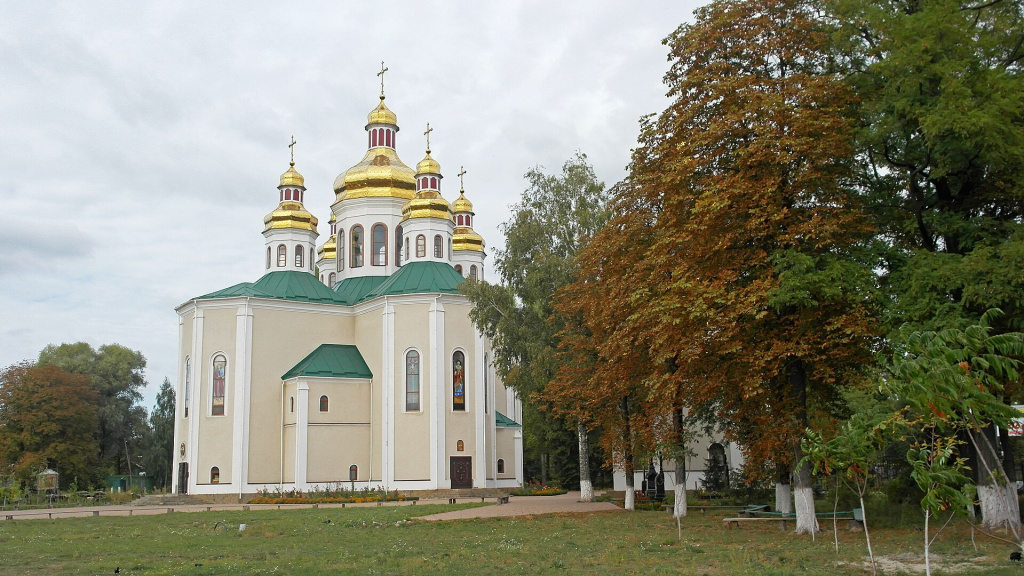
(381, 174)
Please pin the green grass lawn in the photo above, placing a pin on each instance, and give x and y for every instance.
(383, 541)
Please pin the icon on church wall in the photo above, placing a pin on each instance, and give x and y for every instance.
(458, 381)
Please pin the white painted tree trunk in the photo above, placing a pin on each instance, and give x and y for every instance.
(679, 508)
(999, 507)
(783, 498)
(586, 485)
(806, 521)
(630, 498)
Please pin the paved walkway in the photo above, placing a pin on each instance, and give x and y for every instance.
(528, 506)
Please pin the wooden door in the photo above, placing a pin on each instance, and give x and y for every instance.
(462, 472)
(183, 478)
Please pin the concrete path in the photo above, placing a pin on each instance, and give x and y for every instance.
(528, 506)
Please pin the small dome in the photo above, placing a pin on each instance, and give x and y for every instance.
(381, 115)
(329, 250)
(290, 215)
(380, 174)
(427, 204)
(428, 165)
(292, 178)
(461, 204)
(466, 239)
(334, 218)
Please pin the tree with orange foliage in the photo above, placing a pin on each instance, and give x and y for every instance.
(735, 275)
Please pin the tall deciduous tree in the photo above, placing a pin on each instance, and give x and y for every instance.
(737, 257)
(47, 419)
(160, 446)
(117, 375)
(553, 220)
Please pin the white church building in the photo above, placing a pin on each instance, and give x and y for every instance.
(355, 362)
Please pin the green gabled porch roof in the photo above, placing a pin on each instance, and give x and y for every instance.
(420, 278)
(332, 361)
(283, 285)
(352, 290)
(502, 421)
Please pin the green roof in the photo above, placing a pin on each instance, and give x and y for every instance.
(284, 285)
(332, 361)
(502, 421)
(352, 290)
(420, 278)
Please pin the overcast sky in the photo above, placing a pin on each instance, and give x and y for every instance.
(142, 142)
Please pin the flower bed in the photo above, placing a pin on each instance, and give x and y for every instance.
(330, 494)
(537, 489)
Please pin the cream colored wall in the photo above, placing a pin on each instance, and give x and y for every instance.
(506, 451)
(289, 453)
(339, 437)
(369, 326)
(280, 339)
(412, 429)
(460, 335)
(216, 432)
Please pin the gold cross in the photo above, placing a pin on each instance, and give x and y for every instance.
(381, 74)
(292, 148)
(461, 174)
(427, 134)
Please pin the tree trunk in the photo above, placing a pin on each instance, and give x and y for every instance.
(586, 486)
(679, 508)
(627, 437)
(630, 503)
(806, 521)
(997, 496)
(544, 469)
(783, 497)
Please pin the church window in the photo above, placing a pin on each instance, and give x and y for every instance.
(501, 466)
(433, 182)
(472, 272)
(373, 140)
(353, 473)
(421, 246)
(331, 279)
(460, 446)
(215, 475)
(406, 257)
(469, 220)
(220, 368)
(322, 278)
(438, 246)
(398, 246)
(282, 256)
(459, 381)
(387, 136)
(357, 246)
(287, 194)
(449, 249)
(188, 382)
(324, 402)
(458, 268)
(380, 245)
(458, 220)
(340, 256)
(268, 257)
(311, 259)
(412, 380)
(298, 256)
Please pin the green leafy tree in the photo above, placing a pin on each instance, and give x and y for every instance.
(118, 376)
(553, 220)
(47, 419)
(159, 452)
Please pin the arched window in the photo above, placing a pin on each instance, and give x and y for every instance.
(353, 473)
(472, 272)
(268, 257)
(412, 380)
(188, 382)
(298, 256)
(449, 249)
(220, 370)
(340, 254)
(421, 246)
(331, 279)
(373, 140)
(460, 446)
(323, 403)
(438, 246)
(312, 259)
(501, 466)
(357, 246)
(458, 381)
(215, 475)
(380, 245)
(398, 245)
(322, 279)
(387, 136)
(458, 220)
(282, 256)
(458, 268)
(433, 182)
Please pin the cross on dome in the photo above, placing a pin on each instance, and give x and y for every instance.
(427, 134)
(292, 148)
(383, 69)
(462, 172)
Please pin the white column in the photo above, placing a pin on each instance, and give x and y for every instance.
(301, 429)
(518, 443)
(438, 397)
(240, 384)
(200, 367)
(387, 401)
(481, 419)
(178, 416)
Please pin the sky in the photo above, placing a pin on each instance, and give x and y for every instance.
(143, 141)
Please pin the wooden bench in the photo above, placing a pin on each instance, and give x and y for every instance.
(730, 522)
(502, 500)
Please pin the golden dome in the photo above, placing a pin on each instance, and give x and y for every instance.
(428, 166)
(427, 204)
(334, 218)
(381, 115)
(292, 177)
(290, 214)
(466, 239)
(329, 250)
(380, 175)
(461, 204)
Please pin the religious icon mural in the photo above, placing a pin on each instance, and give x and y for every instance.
(219, 368)
(458, 381)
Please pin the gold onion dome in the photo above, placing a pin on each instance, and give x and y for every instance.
(291, 177)
(462, 204)
(381, 115)
(428, 165)
(381, 174)
(329, 250)
(427, 204)
(290, 214)
(466, 239)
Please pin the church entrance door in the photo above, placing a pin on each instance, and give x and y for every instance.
(183, 478)
(462, 472)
